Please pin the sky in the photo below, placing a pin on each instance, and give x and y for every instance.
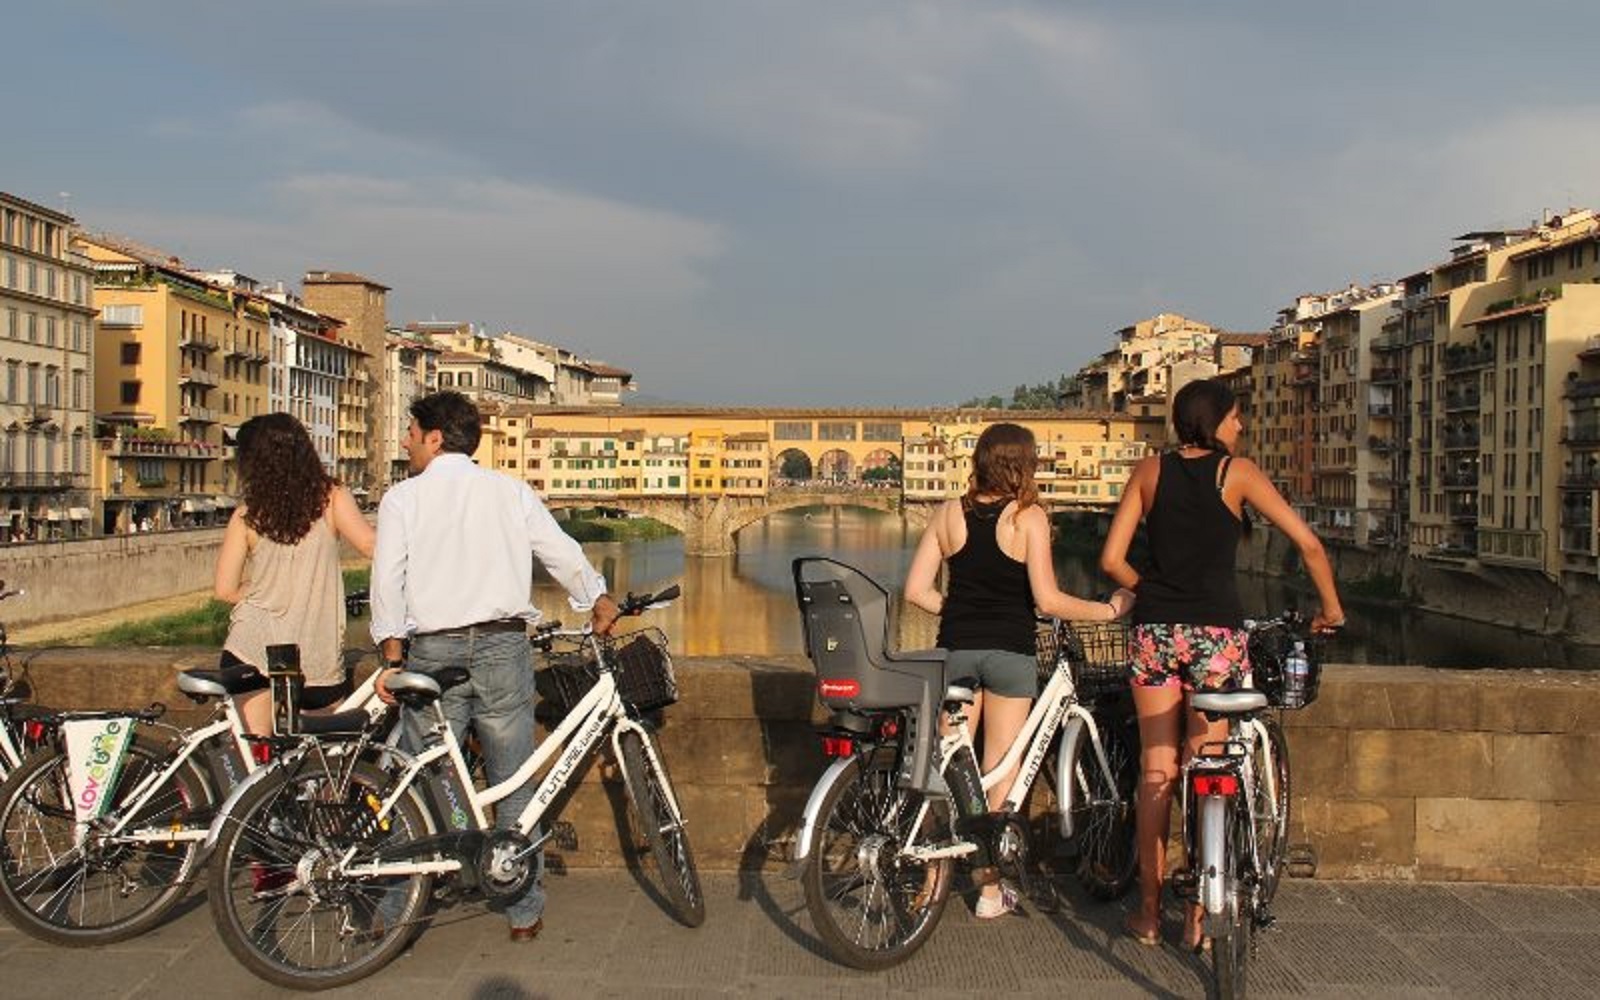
(809, 202)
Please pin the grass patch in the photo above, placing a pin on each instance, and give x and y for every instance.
(619, 529)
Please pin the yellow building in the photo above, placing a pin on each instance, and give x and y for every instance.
(177, 359)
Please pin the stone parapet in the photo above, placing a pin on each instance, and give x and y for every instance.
(1398, 772)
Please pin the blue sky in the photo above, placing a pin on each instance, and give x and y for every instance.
(818, 202)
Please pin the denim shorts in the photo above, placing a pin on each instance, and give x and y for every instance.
(1010, 675)
(1197, 657)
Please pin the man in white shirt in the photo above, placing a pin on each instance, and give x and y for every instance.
(453, 572)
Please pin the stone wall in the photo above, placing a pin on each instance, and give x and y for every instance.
(88, 576)
(1399, 772)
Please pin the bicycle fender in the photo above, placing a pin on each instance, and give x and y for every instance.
(1213, 851)
(1067, 792)
(214, 831)
(808, 818)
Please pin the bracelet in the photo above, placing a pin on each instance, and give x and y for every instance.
(1113, 607)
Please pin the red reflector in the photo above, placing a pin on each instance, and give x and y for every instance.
(33, 731)
(889, 728)
(262, 752)
(838, 688)
(838, 746)
(1216, 784)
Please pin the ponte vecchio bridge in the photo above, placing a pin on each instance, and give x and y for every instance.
(711, 472)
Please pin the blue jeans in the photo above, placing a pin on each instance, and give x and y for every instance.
(498, 702)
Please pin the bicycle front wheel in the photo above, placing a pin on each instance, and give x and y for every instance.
(280, 902)
(1108, 857)
(873, 903)
(650, 791)
(1271, 811)
(100, 888)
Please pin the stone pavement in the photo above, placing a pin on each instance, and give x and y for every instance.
(605, 937)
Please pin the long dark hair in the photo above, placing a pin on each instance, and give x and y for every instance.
(284, 485)
(1198, 410)
(1003, 466)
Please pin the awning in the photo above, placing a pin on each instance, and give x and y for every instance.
(189, 507)
(230, 435)
(16, 512)
(206, 505)
(226, 503)
(78, 513)
(52, 515)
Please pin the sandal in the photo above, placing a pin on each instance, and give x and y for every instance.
(989, 908)
(1150, 939)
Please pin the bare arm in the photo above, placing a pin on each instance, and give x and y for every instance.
(922, 578)
(1257, 490)
(1114, 554)
(229, 582)
(348, 522)
(1035, 527)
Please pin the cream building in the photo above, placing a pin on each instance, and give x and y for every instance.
(47, 405)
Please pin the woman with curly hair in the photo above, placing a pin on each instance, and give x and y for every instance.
(279, 563)
(994, 543)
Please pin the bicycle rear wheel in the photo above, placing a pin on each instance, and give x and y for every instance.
(104, 888)
(280, 903)
(650, 791)
(1271, 812)
(1108, 857)
(1231, 936)
(873, 904)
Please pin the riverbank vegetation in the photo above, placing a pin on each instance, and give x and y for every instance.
(589, 526)
(206, 625)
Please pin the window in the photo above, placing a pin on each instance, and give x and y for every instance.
(130, 353)
(129, 316)
(130, 393)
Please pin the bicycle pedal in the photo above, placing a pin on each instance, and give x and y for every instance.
(1184, 885)
(1300, 861)
(564, 835)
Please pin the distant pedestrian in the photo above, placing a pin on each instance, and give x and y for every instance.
(1189, 624)
(279, 562)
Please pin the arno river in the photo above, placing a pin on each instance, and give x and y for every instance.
(745, 605)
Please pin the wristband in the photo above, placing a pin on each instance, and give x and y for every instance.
(1113, 607)
(394, 664)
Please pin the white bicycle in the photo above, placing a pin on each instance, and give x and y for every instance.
(900, 804)
(324, 869)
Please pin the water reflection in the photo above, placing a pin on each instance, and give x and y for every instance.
(745, 605)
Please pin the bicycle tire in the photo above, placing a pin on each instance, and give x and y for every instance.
(272, 839)
(1272, 836)
(1230, 945)
(650, 791)
(106, 889)
(873, 907)
(1108, 856)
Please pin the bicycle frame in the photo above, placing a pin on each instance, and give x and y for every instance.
(599, 711)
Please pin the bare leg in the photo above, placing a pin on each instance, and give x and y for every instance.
(255, 709)
(1003, 719)
(1159, 710)
(1200, 732)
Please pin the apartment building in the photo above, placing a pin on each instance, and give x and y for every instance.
(361, 304)
(745, 463)
(1355, 447)
(410, 372)
(47, 406)
(178, 359)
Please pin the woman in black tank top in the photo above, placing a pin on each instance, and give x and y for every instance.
(1189, 625)
(995, 543)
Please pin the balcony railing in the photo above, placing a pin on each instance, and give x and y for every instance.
(1455, 401)
(199, 376)
(1580, 435)
(1387, 342)
(1381, 443)
(138, 448)
(1380, 409)
(1577, 541)
(1385, 376)
(198, 341)
(1581, 388)
(1460, 480)
(1458, 358)
(1461, 441)
(195, 414)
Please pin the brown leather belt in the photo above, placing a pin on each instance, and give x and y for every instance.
(479, 628)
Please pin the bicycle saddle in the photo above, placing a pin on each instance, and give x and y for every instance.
(414, 689)
(1228, 702)
(241, 679)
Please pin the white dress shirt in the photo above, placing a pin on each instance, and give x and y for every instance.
(456, 546)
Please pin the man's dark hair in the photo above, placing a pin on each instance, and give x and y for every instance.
(452, 415)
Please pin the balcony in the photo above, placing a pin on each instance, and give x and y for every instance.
(1584, 435)
(196, 414)
(1458, 401)
(1464, 514)
(1387, 343)
(1380, 409)
(1577, 541)
(1385, 376)
(124, 447)
(1581, 388)
(1382, 478)
(196, 341)
(43, 481)
(1461, 441)
(1460, 358)
(1383, 444)
(198, 376)
(1461, 480)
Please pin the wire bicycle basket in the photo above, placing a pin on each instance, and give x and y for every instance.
(1269, 648)
(1096, 654)
(642, 667)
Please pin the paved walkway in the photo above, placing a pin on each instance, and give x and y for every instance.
(604, 937)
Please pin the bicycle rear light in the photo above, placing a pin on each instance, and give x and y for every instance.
(261, 750)
(33, 731)
(1216, 784)
(838, 746)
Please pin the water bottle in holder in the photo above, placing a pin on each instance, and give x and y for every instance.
(286, 683)
(1296, 676)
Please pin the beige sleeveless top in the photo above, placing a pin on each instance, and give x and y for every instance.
(293, 593)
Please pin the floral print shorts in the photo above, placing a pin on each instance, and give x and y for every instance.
(1198, 657)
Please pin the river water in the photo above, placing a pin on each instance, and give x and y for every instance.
(745, 605)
